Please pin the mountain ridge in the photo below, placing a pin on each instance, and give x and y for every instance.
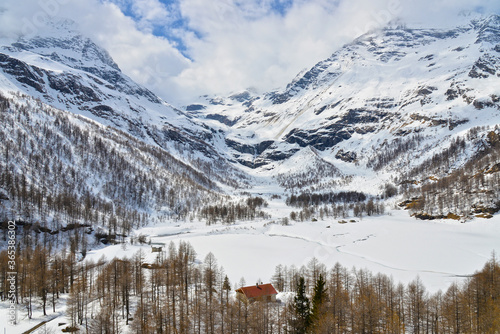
(70, 72)
(262, 112)
(374, 111)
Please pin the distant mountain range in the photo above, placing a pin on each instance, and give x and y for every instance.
(415, 110)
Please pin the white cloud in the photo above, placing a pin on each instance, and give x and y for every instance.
(241, 49)
(153, 13)
(444, 12)
(232, 44)
(148, 59)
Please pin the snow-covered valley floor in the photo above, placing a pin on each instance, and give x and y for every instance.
(439, 252)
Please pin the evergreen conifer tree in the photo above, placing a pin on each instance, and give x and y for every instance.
(302, 309)
(318, 299)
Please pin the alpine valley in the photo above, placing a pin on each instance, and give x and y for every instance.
(384, 156)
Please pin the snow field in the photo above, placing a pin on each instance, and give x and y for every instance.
(439, 252)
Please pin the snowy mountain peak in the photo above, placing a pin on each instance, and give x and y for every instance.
(392, 88)
(69, 71)
(389, 87)
(71, 49)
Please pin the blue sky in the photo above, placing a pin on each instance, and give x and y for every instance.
(165, 24)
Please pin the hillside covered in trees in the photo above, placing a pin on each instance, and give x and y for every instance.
(176, 294)
(444, 187)
(60, 171)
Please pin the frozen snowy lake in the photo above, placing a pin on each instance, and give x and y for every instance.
(439, 251)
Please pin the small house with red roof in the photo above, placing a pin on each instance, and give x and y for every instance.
(257, 292)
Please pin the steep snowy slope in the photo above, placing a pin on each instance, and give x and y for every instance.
(70, 72)
(61, 168)
(386, 102)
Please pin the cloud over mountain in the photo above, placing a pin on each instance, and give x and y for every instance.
(191, 47)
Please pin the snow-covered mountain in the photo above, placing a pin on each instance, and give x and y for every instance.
(75, 127)
(401, 117)
(418, 89)
(383, 111)
(70, 72)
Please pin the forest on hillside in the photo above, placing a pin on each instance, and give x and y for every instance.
(61, 172)
(178, 294)
(442, 187)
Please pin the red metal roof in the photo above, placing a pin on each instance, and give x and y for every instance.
(256, 291)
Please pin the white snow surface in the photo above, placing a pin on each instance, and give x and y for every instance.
(439, 252)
